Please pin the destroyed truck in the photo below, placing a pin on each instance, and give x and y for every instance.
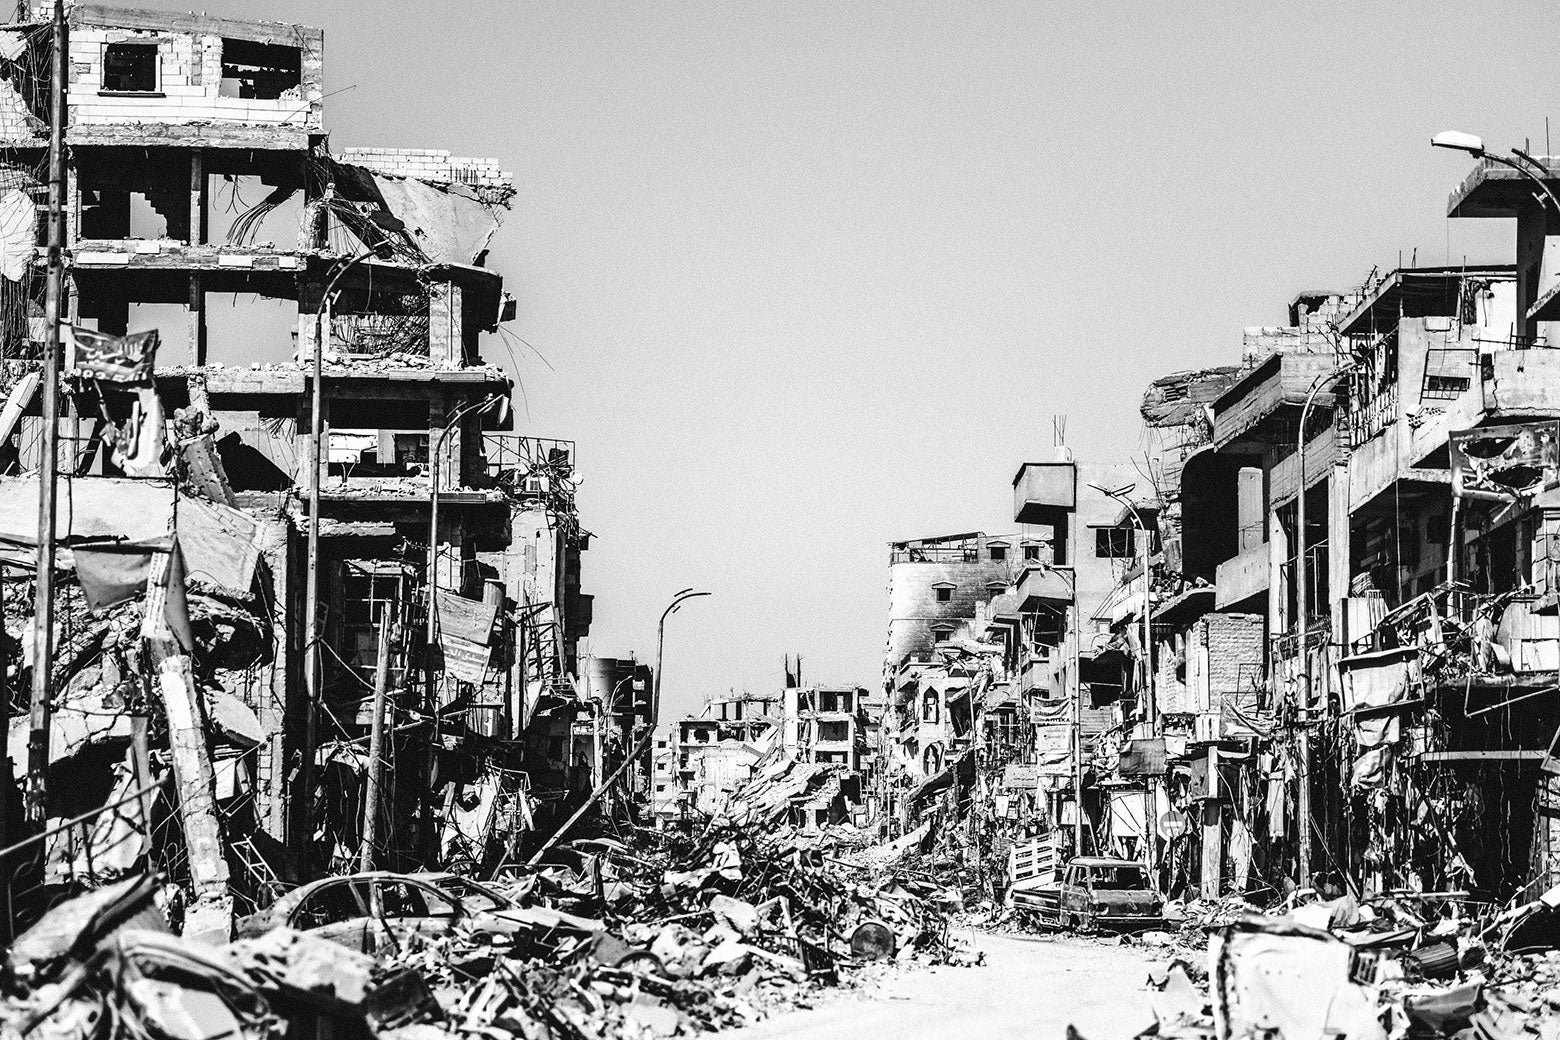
(1093, 893)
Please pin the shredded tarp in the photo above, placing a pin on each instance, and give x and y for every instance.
(445, 224)
(219, 544)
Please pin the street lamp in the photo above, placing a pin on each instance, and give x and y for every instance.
(660, 647)
(1303, 624)
(1457, 141)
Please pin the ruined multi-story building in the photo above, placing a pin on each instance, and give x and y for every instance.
(708, 756)
(204, 202)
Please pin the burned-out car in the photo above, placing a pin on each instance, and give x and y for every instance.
(362, 910)
(1096, 892)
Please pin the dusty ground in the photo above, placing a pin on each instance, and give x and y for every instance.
(1029, 987)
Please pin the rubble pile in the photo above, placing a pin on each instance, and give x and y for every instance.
(671, 936)
(1383, 970)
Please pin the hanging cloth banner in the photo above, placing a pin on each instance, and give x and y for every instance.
(465, 631)
(111, 359)
(468, 619)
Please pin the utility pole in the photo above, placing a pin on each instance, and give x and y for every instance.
(376, 743)
(43, 611)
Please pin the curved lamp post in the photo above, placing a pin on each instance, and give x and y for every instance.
(660, 646)
(1457, 141)
(1302, 626)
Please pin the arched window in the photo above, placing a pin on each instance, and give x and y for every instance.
(931, 707)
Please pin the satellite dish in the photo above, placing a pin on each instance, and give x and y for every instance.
(18, 234)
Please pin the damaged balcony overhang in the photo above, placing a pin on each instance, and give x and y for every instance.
(1045, 492)
(1265, 406)
(1417, 293)
(1182, 609)
(1494, 190)
(1042, 587)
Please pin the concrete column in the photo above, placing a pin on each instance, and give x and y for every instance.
(210, 915)
(1250, 506)
(449, 445)
(445, 344)
(1339, 547)
(1278, 582)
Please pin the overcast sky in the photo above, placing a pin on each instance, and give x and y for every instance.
(812, 276)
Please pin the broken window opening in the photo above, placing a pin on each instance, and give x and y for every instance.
(1115, 543)
(248, 328)
(260, 71)
(369, 590)
(130, 68)
(247, 209)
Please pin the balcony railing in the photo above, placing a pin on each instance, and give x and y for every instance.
(1448, 372)
(510, 454)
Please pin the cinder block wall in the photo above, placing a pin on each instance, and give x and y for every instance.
(430, 165)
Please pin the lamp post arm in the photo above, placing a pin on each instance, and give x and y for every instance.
(1543, 184)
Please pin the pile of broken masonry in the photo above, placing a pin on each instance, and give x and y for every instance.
(670, 936)
(1383, 970)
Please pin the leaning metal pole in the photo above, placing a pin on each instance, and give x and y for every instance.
(43, 612)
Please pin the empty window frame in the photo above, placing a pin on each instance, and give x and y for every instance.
(1031, 551)
(1114, 543)
(131, 68)
(944, 592)
(260, 71)
(368, 590)
(997, 551)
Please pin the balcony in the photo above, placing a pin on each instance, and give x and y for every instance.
(1004, 614)
(1043, 588)
(1037, 677)
(1265, 407)
(1243, 576)
(1045, 492)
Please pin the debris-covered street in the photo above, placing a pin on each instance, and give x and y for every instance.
(1030, 986)
(443, 546)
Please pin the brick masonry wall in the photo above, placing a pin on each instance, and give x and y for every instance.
(430, 165)
(1234, 643)
(190, 80)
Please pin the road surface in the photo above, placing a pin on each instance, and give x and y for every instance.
(1029, 987)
